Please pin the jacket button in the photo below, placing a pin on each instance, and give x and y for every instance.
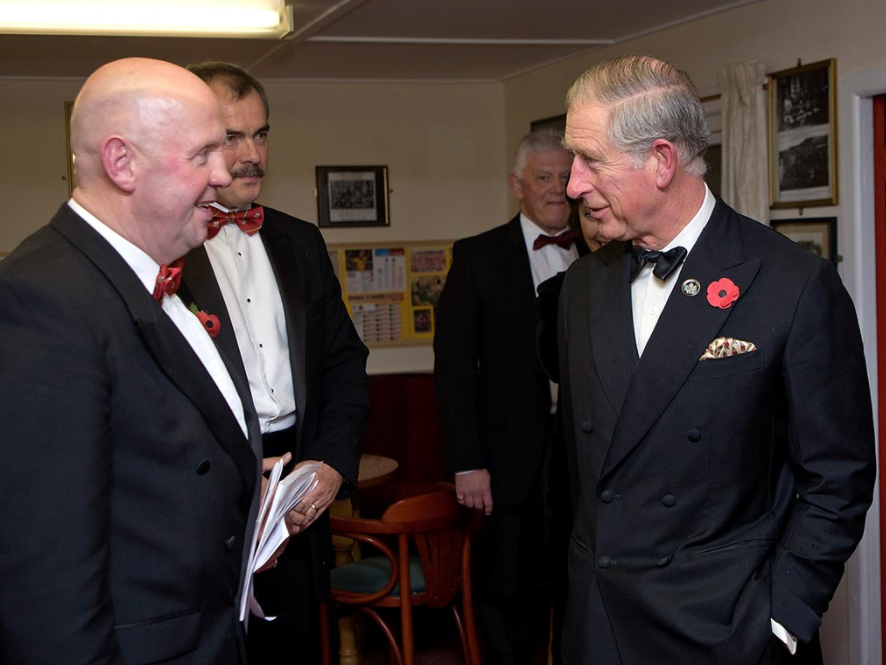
(230, 542)
(203, 467)
(607, 495)
(604, 562)
(693, 435)
(664, 561)
(587, 427)
(669, 500)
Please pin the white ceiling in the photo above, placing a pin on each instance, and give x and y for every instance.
(385, 40)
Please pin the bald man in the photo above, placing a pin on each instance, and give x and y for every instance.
(128, 468)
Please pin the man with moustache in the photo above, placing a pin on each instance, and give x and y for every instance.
(129, 464)
(268, 278)
(495, 400)
(716, 397)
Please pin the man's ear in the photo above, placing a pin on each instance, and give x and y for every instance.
(667, 159)
(117, 157)
(516, 187)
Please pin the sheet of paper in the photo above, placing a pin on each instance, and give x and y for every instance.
(270, 526)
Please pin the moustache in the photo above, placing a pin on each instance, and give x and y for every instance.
(249, 171)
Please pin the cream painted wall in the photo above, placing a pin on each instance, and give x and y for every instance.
(776, 32)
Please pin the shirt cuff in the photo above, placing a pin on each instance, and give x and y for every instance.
(782, 633)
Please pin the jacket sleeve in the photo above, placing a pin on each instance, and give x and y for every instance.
(55, 481)
(456, 355)
(831, 447)
(344, 386)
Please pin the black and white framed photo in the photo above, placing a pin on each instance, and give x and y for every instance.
(352, 196)
(802, 136)
(817, 234)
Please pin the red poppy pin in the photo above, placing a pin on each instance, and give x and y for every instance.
(722, 293)
(210, 323)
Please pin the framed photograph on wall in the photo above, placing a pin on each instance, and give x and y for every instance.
(352, 196)
(802, 136)
(817, 234)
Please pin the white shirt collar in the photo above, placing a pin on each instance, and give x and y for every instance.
(144, 267)
(531, 231)
(690, 233)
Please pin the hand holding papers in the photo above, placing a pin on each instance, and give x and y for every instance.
(271, 531)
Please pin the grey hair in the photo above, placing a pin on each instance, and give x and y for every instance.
(648, 99)
(541, 140)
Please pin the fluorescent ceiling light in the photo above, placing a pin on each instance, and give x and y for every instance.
(160, 18)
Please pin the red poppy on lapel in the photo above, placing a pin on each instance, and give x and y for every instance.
(210, 323)
(722, 293)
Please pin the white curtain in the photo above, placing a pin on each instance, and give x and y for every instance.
(745, 157)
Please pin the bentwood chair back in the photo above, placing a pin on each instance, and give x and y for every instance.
(423, 545)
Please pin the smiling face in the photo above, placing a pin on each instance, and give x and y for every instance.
(541, 189)
(246, 146)
(182, 170)
(619, 193)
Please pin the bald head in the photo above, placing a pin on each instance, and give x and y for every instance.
(131, 98)
(147, 136)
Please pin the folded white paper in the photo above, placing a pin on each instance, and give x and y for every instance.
(271, 531)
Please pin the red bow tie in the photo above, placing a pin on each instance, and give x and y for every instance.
(168, 279)
(249, 221)
(564, 240)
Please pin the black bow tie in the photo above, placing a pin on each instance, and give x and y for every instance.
(666, 263)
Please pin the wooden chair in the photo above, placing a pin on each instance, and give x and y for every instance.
(425, 547)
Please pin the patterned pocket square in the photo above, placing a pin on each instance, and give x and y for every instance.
(723, 347)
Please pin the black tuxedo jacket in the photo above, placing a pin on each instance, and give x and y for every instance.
(494, 397)
(126, 484)
(713, 494)
(328, 359)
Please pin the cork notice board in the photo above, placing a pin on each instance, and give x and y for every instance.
(392, 289)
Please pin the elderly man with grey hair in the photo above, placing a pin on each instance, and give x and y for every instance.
(716, 401)
(495, 400)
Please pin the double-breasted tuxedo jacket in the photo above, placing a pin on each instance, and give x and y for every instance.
(327, 357)
(494, 397)
(127, 487)
(716, 494)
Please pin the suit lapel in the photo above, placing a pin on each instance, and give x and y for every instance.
(171, 351)
(200, 287)
(515, 262)
(611, 322)
(284, 261)
(686, 327)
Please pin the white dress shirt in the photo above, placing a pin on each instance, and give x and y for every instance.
(248, 284)
(548, 260)
(146, 269)
(649, 295)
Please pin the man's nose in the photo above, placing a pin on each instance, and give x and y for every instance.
(219, 176)
(249, 153)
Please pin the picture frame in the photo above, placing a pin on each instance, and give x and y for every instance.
(803, 136)
(350, 196)
(817, 234)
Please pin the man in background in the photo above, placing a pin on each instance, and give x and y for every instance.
(129, 463)
(718, 408)
(268, 278)
(495, 400)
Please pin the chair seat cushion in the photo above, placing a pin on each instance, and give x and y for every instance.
(370, 575)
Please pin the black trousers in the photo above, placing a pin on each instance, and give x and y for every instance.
(287, 592)
(515, 589)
